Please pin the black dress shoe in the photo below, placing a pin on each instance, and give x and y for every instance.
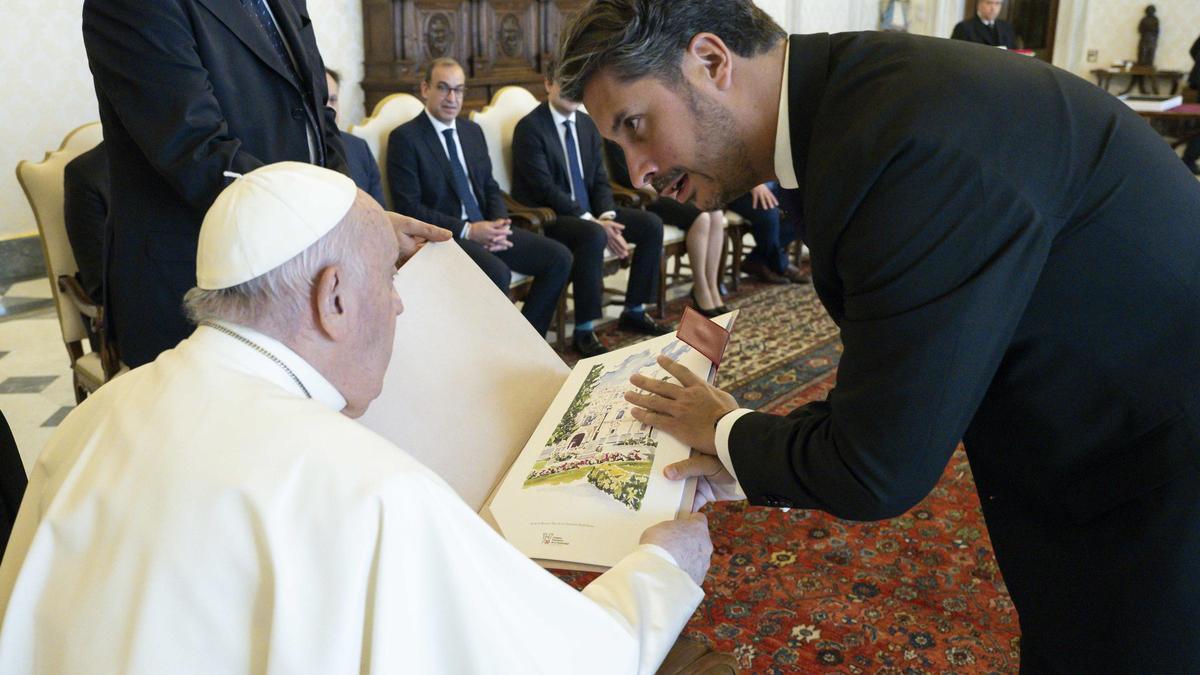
(640, 322)
(758, 269)
(587, 344)
(794, 275)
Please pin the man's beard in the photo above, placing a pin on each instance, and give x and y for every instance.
(722, 154)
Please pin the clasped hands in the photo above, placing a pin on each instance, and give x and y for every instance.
(689, 411)
(492, 234)
(616, 241)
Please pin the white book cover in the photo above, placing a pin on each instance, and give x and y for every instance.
(589, 481)
(475, 394)
(1151, 103)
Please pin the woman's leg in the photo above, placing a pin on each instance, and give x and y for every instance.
(716, 238)
(697, 248)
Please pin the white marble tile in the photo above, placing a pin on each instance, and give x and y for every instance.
(33, 288)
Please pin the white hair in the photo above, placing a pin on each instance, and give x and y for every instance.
(280, 298)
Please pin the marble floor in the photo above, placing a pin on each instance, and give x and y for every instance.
(35, 375)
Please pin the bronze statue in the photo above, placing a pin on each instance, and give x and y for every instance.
(1148, 43)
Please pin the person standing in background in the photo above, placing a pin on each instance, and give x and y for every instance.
(188, 91)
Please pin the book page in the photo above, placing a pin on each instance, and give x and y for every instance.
(469, 377)
(589, 481)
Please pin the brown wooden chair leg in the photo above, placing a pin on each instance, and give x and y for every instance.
(560, 321)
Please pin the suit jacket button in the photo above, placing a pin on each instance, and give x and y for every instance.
(297, 113)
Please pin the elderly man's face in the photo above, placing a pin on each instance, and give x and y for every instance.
(367, 353)
(684, 144)
(989, 9)
(444, 91)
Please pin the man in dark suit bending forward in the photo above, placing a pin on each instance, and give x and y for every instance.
(962, 269)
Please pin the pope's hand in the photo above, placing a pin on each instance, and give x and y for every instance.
(687, 540)
(689, 412)
(412, 233)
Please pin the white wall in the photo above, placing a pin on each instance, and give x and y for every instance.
(1110, 27)
(48, 88)
(822, 16)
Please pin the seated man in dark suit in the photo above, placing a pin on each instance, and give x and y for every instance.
(85, 208)
(363, 168)
(558, 162)
(439, 172)
(768, 261)
(985, 28)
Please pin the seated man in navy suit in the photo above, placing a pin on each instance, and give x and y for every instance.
(558, 162)
(439, 172)
(363, 168)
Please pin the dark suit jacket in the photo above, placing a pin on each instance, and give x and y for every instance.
(85, 209)
(12, 482)
(1027, 283)
(420, 179)
(540, 174)
(1194, 76)
(974, 30)
(363, 168)
(187, 90)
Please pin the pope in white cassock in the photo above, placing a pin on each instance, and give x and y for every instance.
(218, 510)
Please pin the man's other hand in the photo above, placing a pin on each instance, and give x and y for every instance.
(616, 240)
(761, 197)
(689, 412)
(713, 482)
(687, 540)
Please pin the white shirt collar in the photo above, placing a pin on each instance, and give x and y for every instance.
(318, 387)
(440, 126)
(985, 21)
(559, 118)
(785, 171)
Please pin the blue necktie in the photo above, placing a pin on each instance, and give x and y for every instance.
(259, 9)
(581, 194)
(461, 186)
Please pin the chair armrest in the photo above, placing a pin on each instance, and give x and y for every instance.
(529, 217)
(69, 286)
(630, 198)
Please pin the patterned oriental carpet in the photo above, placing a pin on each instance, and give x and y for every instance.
(804, 592)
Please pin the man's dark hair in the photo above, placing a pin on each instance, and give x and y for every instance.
(551, 66)
(337, 78)
(443, 61)
(639, 38)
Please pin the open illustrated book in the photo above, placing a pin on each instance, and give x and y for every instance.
(549, 456)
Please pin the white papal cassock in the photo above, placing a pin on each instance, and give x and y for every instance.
(200, 515)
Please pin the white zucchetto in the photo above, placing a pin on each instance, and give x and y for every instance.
(267, 217)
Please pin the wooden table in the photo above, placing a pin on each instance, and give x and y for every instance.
(1181, 123)
(1138, 75)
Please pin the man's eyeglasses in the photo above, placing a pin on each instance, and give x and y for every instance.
(446, 90)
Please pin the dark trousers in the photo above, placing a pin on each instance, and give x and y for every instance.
(547, 261)
(1192, 152)
(587, 242)
(771, 235)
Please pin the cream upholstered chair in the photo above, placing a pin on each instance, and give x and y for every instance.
(388, 114)
(43, 186)
(497, 120)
